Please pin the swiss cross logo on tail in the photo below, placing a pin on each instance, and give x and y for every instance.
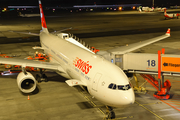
(168, 32)
(82, 65)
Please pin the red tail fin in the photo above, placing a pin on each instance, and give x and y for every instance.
(168, 32)
(43, 22)
(165, 12)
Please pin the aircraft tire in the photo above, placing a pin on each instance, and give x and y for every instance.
(45, 77)
(111, 115)
(38, 78)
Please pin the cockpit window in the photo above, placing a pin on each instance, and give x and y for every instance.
(124, 87)
(119, 87)
(114, 87)
(110, 86)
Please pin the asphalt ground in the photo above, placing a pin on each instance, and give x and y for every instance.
(55, 100)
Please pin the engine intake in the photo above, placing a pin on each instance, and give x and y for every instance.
(26, 82)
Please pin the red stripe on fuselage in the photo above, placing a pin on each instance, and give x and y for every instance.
(167, 16)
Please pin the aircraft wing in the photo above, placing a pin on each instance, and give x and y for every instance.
(31, 63)
(59, 31)
(27, 33)
(131, 47)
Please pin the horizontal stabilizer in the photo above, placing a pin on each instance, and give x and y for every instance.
(27, 33)
(59, 31)
(74, 82)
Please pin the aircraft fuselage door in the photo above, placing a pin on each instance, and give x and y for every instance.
(96, 81)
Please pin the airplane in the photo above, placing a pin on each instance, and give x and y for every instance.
(170, 15)
(70, 57)
(159, 9)
(146, 9)
(29, 15)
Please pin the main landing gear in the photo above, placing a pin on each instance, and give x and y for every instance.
(41, 77)
(110, 113)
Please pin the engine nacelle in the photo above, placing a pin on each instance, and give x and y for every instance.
(26, 82)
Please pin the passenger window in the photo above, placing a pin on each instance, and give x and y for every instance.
(110, 86)
(114, 87)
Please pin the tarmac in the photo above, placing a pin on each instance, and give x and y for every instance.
(55, 100)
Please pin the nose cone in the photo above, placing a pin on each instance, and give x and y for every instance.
(129, 97)
(123, 98)
(118, 98)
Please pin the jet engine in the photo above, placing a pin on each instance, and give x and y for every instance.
(26, 82)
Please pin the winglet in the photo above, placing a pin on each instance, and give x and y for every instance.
(43, 22)
(168, 32)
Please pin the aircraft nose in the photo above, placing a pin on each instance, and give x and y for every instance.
(129, 97)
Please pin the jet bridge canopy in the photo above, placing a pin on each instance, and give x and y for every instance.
(148, 63)
(140, 61)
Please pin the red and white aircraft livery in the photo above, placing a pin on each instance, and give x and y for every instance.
(73, 60)
(170, 15)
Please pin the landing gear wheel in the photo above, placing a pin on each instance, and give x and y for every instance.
(38, 78)
(44, 77)
(41, 77)
(111, 113)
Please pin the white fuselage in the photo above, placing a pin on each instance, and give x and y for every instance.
(170, 15)
(147, 9)
(93, 70)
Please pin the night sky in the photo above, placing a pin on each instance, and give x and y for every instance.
(90, 2)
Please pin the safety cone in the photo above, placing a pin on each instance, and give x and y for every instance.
(28, 97)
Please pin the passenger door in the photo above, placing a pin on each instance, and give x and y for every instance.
(96, 81)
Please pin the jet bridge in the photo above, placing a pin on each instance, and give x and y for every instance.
(147, 64)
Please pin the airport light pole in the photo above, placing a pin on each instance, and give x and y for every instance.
(153, 3)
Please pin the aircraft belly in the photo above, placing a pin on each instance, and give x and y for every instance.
(72, 74)
(63, 74)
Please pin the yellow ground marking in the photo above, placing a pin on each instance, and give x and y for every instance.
(152, 103)
(123, 118)
(98, 106)
(149, 111)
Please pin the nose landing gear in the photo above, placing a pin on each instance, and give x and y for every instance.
(110, 113)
